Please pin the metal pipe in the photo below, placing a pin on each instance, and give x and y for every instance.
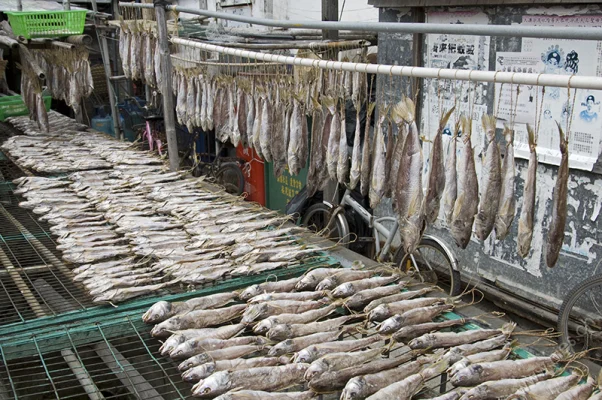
(84, 379)
(576, 82)
(321, 45)
(395, 27)
(166, 87)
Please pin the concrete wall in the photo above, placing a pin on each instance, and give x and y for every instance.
(498, 261)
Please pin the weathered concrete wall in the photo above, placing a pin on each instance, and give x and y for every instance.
(498, 261)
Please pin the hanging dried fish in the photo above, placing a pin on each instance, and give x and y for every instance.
(266, 129)
(304, 146)
(343, 159)
(231, 122)
(135, 55)
(366, 167)
(198, 102)
(288, 115)
(190, 104)
(257, 126)
(294, 164)
(211, 101)
(355, 172)
(507, 207)
(559, 204)
(241, 116)
(377, 179)
(436, 178)
(527, 214)
(408, 188)
(465, 207)
(451, 183)
(317, 160)
(250, 119)
(125, 54)
(181, 100)
(158, 65)
(279, 141)
(149, 68)
(389, 157)
(332, 155)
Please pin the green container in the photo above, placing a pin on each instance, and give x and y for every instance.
(13, 106)
(44, 24)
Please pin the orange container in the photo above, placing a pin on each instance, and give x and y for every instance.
(254, 173)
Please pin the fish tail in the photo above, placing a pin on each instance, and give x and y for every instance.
(445, 118)
(404, 111)
(564, 140)
(532, 139)
(466, 128)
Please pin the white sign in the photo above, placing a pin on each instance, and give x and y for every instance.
(578, 113)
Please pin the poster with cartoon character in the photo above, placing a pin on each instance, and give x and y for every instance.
(577, 113)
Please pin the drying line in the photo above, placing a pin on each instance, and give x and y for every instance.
(515, 78)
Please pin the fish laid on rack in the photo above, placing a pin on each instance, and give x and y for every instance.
(507, 206)
(491, 175)
(195, 374)
(338, 361)
(466, 204)
(527, 213)
(559, 204)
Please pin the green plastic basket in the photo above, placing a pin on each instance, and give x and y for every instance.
(13, 106)
(43, 24)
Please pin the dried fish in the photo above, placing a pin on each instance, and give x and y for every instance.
(366, 168)
(261, 378)
(317, 152)
(229, 353)
(408, 187)
(334, 139)
(294, 145)
(261, 395)
(491, 182)
(502, 388)
(559, 204)
(350, 288)
(305, 317)
(202, 371)
(412, 317)
(527, 214)
(407, 295)
(290, 346)
(547, 389)
(384, 311)
(241, 118)
(268, 287)
(312, 353)
(356, 155)
(410, 332)
(266, 127)
(436, 177)
(389, 153)
(466, 205)
(363, 297)
(198, 319)
(343, 153)
(377, 179)
(339, 361)
(202, 344)
(310, 280)
(263, 310)
(288, 331)
(449, 339)
(507, 207)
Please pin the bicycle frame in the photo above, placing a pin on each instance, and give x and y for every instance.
(374, 223)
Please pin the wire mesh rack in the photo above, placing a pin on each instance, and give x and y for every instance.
(116, 359)
(33, 280)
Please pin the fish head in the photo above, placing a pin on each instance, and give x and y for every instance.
(306, 283)
(264, 326)
(213, 385)
(164, 327)
(379, 313)
(170, 344)
(306, 355)
(253, 312)
(411, 232)
(343, 290)
(281, 348)
(463, 376)
(479, 392)
(390, 325)
(327, 284)
(182, 350)
(193, 362)
(316, 368)
(354, 389)
(157, 313)
(280, 332)
(199, 372)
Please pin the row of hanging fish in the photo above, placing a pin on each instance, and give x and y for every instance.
(139, 52)
(68, 74)
(31, 93)
(118, 223)
(393, 343)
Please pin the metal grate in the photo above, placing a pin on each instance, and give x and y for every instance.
(111, 360)
(33, 280)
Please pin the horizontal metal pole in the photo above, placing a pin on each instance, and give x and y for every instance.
(395, 27)
(577, 82)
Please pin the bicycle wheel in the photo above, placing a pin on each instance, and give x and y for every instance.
(316, 219)
(231, 178)
(580, 316)
(433, 263)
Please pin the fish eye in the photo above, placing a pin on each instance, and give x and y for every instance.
(206, 390)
